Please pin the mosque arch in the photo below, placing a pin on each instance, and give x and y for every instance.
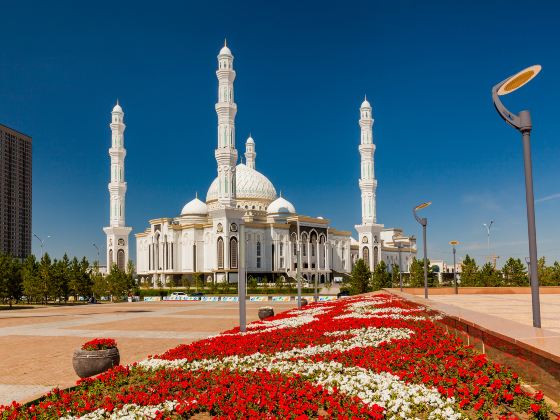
(110, 259)
(375, 256)
(365, 253)
(220, 251)
(121, 259)
(233, 253)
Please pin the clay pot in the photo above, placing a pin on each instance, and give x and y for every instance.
(265, 313)
(93, 362)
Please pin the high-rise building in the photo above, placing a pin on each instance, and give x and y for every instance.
(15, 193)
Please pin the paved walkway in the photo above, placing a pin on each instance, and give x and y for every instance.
(36, 345)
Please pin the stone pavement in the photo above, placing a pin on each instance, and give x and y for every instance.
(36, 345)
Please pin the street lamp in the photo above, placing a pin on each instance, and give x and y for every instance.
(488, 226)
(96, 247)
(453, 243)
(522, 123)
(242, 280)
(42, 244)
(424, 222)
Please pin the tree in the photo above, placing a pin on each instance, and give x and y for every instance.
(10, 279)
(515, 273)
(395, 275)
(360, 278)
(470, 276)
(380, 278)
(45, 276)
(489, 276)
(416, 278)
(119, 283)
(32, 283)
(99, 286)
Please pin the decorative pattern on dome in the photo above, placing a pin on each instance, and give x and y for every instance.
(251, 184)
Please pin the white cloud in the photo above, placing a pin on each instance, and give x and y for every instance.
(548, 198)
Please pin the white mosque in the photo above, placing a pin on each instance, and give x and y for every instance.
(242, 207)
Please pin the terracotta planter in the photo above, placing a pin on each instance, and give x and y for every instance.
(265, 313)
(93, 362)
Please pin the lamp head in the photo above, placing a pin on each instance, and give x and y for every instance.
(519, 79)
(422, 206)
(454, 243)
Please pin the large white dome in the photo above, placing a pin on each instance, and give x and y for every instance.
(251, 185)
(194, 207)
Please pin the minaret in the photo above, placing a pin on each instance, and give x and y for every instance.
(368, 183)
(117, 233)
(250, 153)
(226, 154)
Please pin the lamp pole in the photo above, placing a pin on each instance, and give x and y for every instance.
(488, 226)
(424, 222)
(399, 246)
(97, 248)
(453, 243)
(522, 123)
(42, 244)
(242, 280)
(298, 270)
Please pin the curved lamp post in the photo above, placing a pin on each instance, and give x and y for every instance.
(522, 123)
(42, 244)
(424, 222)
(453, 244)
(488, 226)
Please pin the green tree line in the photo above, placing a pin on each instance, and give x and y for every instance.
(46, 280)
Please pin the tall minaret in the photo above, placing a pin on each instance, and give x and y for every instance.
(368, 183)
(117, 233)
(250, 153)
(226, 154)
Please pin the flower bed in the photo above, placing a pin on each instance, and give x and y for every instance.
(362, 357)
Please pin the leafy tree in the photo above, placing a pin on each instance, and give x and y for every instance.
(548, 275)
(45, 275)
(489, 276)
(515, 273)
(119, 283)
(470, 275)
(380, 278)
(360, 278)
(32, 283)
(11, 287)
(416, 278)
(395, 275)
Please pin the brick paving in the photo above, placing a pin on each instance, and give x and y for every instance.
(36, 345)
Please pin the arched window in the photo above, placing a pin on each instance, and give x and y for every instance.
(220, 249)
(194, 258)
(121, 263)
(366, 255)
(281, 249)
(304, 244)
(258, 249)
(375, 256)
(110, 260)
(233, 252)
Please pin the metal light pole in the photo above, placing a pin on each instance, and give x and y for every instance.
(298, 271)
(453, 243)
(528, 261)
(424, 222)
(242, 281)
(42, 244)
(522, 123)
(488, 226)
(96, 247)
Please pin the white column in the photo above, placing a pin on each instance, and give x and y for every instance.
(226, 153)
(368, 183)
(250, 153)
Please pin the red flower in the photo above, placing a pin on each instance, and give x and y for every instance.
(99, 344)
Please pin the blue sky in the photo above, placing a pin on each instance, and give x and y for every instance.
(302, 71)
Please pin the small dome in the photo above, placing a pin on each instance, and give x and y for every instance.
(281, 205)
(194, 207)
(365, 104)
(250, 140)
(117, 108)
